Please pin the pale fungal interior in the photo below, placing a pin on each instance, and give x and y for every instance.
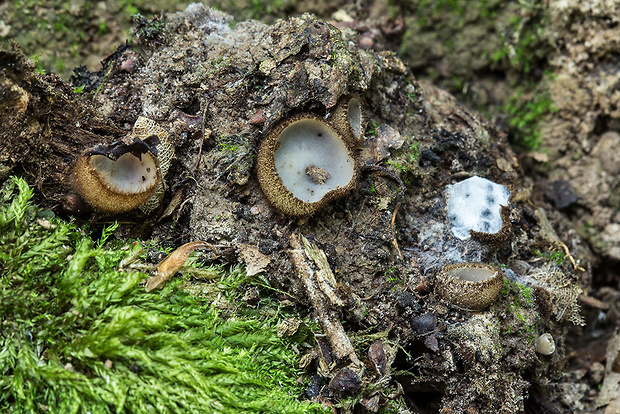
(475, 204)
(312, 160)
(128, 174)
(355, 116)
(472, 274)
(545, 344)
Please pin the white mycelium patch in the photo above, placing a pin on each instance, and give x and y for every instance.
(474, 204)
(128, 174)
(307, 152)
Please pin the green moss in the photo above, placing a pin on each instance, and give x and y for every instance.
(260, 8)
(520, 319)
(556, 256)
(525, 45)
(129, 7)
(372, 129)
(523, 52)
(527, 109)
(79, 335)
(37, 64)
(472, 37)
(408, 162)
(521, 294)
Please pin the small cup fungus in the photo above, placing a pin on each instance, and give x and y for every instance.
(159, 139)
(303, 163)
(545, 345)
(118, 177)
(473, 286)
(348, 117)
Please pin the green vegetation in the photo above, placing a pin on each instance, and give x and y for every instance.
(521, 294)
(526, 116)
(409, 161)
(523, 53)
(262, 8)
(237, 155)
(525, 46)
(129, 7)
(428, 12)
(523, 50)
(37, 65)
(79, 89)
(506, 38)
(231, 143)
(372, 128)
(65, 33)
(80, 335)
(558, 257)
(519, 302)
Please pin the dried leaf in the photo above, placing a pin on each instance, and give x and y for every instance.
(173, 262)
(254, 260)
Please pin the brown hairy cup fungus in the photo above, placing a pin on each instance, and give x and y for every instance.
(303, 163)
(159, 139)
(118, 177)
(473, 286)
(348, 117)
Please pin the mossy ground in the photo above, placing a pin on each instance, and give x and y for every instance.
(508, 42)
(80, 335)
(61, 35)
(491, 54)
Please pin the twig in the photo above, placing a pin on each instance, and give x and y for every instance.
(393, 232)
(301, 256)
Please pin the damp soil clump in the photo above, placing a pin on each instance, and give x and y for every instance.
(364, 265)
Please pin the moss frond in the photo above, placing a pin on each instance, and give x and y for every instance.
(79, 335)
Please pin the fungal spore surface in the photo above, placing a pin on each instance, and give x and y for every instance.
(128, 174)
(312, 160)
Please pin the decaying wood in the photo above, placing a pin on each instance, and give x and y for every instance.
(319, 283)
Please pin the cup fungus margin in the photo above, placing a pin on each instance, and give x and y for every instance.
(103, 189)
(472, 286)
(279, 196)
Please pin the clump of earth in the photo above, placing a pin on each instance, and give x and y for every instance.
(365, 265)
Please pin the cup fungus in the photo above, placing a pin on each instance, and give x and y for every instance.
(303, 163)
(348, 117)
(147, 130)
(119, 177)
(473, 286)
(545, 345)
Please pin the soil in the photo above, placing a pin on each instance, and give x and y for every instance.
(218, 85)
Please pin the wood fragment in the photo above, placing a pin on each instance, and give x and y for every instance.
(593, 302)
(393, 232)
(324, 275)
(177, 198)
(547, 231)
(324, 309)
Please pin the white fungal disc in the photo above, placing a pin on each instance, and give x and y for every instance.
(312, 160)
(472, 274)
(128, 174)
(475, 204)
(355, 117)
